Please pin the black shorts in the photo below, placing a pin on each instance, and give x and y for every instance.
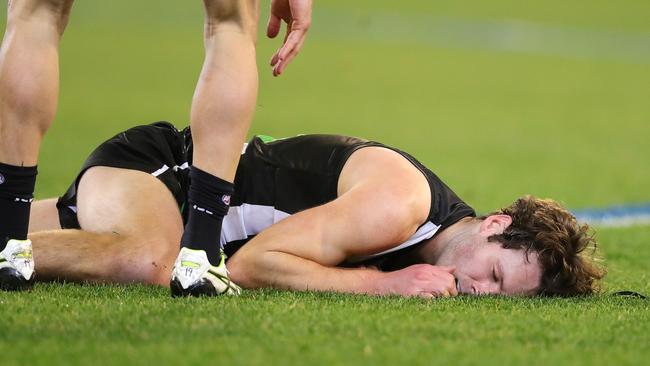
(157, 149)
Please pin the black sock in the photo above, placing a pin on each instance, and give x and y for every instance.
(208, 200)
(16, 194)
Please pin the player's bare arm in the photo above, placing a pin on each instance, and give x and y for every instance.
(382, 200)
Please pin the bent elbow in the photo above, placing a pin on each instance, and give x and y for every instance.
(237, 271)
(244, 270)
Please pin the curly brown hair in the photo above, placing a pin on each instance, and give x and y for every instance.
(566, 249)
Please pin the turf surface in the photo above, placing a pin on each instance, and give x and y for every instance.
(496, 118)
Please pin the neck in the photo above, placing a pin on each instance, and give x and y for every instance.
(431, 250)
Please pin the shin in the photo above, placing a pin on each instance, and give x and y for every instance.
(82, 256)
(225, 95)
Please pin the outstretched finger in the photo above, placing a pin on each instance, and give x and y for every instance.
(276, 56)
(289, 51)
(289, 58)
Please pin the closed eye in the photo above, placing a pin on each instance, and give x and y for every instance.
(498, 275)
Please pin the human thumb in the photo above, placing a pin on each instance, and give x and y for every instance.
(273, 27)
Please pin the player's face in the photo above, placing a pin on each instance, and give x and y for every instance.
(488, 268)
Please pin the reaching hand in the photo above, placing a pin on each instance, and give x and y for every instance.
(422, 280)
(297, 15)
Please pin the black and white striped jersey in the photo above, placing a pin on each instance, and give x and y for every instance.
(278, 178)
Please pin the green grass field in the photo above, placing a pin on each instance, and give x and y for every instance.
(500, 98)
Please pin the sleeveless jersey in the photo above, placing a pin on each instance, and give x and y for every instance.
(278, 178)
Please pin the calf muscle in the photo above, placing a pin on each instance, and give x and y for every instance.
(224, 98)
(29, 76)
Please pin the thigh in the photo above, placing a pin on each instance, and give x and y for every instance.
(127, 202)
(131, 229)
(44, 216)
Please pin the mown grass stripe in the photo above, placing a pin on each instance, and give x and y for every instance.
(616, 216)
(512, 35)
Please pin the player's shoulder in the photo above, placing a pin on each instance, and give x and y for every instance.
(393, 178)
(381, 163)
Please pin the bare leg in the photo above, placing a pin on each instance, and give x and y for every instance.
(29, 88)
(224, 99)
(44, 216)
(77, 256)
(126, 237)
(222, 110)
(29, 76)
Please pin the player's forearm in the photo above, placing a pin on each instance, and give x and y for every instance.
(281, 270)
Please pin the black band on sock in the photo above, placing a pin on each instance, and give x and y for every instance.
(16, 194)
(208, 200)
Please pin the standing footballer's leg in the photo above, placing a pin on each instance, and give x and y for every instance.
(222, 110)
(29, 87)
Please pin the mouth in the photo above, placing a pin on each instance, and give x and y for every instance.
(458, 286)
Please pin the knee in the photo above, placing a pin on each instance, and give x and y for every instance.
(42, 12)
(242, 14)
(158, 274)
(59, 11)
(157, 263)
(149, 262)
(57, 7)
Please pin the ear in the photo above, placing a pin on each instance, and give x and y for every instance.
(494, 225)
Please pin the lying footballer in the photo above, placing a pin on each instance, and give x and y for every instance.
(319, 212)
(313, 212)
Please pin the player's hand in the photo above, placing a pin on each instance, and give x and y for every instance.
(297, 15)
(422, 280)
